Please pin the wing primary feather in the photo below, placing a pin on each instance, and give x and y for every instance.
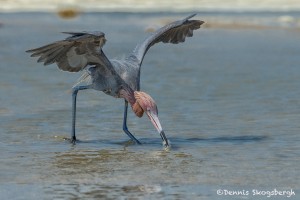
(51, 58)
(174, 32)
(42, 49)
(189, 17)
(63, 53)
(45, 55)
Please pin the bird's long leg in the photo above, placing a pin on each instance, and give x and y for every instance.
(74, 96)
(125, 129)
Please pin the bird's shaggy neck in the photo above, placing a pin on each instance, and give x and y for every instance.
(128, 95)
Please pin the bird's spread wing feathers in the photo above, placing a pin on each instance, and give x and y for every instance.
(174, 32)
(72, 54)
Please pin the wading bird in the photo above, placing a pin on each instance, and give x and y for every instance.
(117, 78)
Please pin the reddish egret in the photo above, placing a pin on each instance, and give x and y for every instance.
(117, 78)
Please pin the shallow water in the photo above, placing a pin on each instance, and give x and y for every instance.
(228, 100)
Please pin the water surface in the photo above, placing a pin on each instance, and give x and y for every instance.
(228, 99)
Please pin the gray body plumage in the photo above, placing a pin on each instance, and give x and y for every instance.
(83, 51)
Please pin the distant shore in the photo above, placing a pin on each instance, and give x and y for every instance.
(219, 20)
(149, 6)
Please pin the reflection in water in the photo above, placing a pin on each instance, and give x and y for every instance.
(114, 165)
(231, 139)
(111, 174)
(98, 191)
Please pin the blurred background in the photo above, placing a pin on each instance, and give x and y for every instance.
(74, 8)
(151, 6)
(228, 99)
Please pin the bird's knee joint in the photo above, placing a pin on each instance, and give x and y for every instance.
(74, 91)
(125, 127)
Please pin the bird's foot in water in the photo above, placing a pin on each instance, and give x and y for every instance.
(71, 140)
(166, 145)
(136, 141)
(128, 143)
(131, 142)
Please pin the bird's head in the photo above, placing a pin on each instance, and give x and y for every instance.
(144, 103)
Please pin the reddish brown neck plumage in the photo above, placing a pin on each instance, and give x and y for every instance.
(129, 95)
(145, 101)
(140, 101)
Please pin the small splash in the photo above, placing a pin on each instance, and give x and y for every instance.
(167, 147)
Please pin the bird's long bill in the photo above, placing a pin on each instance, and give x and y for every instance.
(155, 121)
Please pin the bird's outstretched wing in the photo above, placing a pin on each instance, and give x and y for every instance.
(72, 54)
(174, 32)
